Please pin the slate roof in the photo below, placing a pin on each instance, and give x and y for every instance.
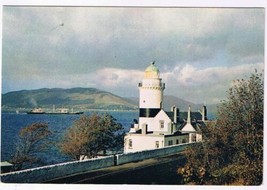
(199, 126)
(183, 116)
(176, 133)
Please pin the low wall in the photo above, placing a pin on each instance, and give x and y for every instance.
(41, 174)
(137, 156)
(45, 173)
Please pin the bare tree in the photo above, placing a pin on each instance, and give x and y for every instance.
(32, 140)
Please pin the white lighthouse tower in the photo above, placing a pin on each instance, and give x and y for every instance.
(158, 128)
(151, 96)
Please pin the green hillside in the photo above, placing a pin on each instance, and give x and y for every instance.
(79, 98)
(83, 99)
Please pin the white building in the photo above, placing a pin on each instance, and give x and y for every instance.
(157, 128)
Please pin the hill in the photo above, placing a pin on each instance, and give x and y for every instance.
(80, 98)
(84, 99)
(169, 101)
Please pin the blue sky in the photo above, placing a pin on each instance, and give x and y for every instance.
(199, 51)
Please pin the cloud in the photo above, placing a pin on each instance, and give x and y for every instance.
(205, 84)
(109, 47)
(138, 34)
(112, 78)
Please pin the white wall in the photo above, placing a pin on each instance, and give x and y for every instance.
(145, 120)
(197, 135)
(155, 124)
(173, 139)
(142, 142)
(137, 156)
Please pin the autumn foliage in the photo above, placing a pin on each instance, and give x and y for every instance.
(32, 140)
(232, 150)
(90, 135)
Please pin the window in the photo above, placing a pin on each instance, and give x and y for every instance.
(161, 123)
(184, 141)
(194, 138)
(170, 143)
(157, 144)
(130, 143)
(177, 141)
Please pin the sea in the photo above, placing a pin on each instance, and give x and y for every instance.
(12, 123)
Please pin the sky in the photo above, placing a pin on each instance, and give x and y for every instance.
(199, 51)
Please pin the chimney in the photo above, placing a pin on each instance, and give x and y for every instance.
(204, 113)
(144, 129)
(175, 112)
(189, 115)
(177, 115)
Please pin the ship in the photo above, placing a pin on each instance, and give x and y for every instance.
(63, 111)
(36, 111)
(54, 111)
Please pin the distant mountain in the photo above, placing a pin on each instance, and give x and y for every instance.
(80, 98)
(170, 101)
(86, 98)
(183, 105)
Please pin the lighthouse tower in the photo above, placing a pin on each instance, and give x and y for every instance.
(151, 96)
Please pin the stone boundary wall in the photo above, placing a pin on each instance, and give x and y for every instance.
(137, 156)
(45, 173)
(41, 174)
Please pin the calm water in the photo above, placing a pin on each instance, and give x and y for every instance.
(12, 123)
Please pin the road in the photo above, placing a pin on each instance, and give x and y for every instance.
(160, 170)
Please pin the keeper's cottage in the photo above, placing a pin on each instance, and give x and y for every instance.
(157, 128)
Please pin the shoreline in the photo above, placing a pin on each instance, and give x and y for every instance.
(25, 110)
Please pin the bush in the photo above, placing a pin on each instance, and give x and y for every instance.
(232, 151)
(90, 135)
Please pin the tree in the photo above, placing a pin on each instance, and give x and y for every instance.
(232, 151)
(32, 140)
(90, 135)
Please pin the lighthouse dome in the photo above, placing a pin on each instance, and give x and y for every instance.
(152, 71)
